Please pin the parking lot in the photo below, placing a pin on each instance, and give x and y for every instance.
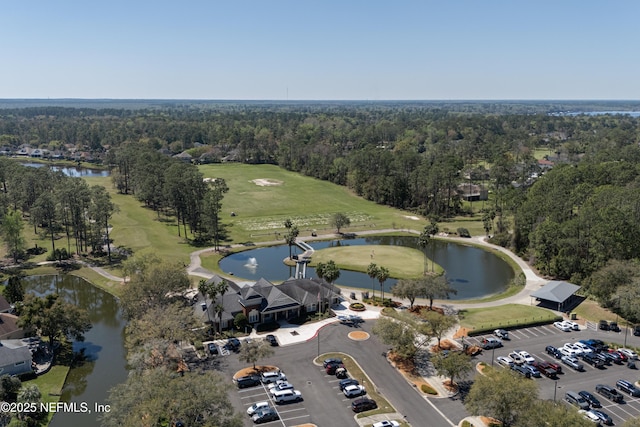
(535, 339)
(323, 402)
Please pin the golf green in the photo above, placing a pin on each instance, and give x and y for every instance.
(402, 262)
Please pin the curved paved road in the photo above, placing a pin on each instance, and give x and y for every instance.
(533, 281)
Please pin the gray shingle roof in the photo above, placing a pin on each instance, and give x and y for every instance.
(556, 291)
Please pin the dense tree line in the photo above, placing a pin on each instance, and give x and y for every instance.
(410, 155)
(54, 205)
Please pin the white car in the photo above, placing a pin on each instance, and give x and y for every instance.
(284, 396)
(386, 423)
(257, 407)
(573, 325)
(590, 416)
(354, 390)
(527, 357)
(632, 355)
(573, 347)
(505, 361)
(517, 359)
(585, 348)
(562, 326)
(501, 333)
(279, 386)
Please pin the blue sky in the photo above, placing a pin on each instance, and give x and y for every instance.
(320, 50)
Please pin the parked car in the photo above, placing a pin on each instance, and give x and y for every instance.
(213, 348)
(386, 423)
(526, 356)
(573, 325)
(572, 362)
(286, 396)
(569, 352)
(576, 400)
(233, 344)
(614, 356)
(505, 361)
(522, 370)
(272, 377)
(603, 416)
(623, 357)
(532, 370)
(341, 373)
(546, 369)
(347, 382)
(363, 404)
(331, 369)
(636, 330)
(517, 359)
(584, 347)
(628, 388)
(247, 381)
(562, 326)
(280, 385)
(265, 415)
(609, 392)
(490, 342)
(591, 399)
(501, 333)
(613, 326)
(331, 361)
(271, 339)
(354, 390)
(589, 416)
(593, 360)
(256, 407)
(598, 345)
(629, 353)
(603, 325)
(551, 350)
(556, 366)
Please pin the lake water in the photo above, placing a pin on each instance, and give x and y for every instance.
(73, 171)
(473, 272)
(105, 364)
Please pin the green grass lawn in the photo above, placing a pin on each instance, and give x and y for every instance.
(402, 262)
(309, 202)
(503, 316)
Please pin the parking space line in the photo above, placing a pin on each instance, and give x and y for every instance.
(517, 334)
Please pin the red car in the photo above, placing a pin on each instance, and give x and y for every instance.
(331, 369)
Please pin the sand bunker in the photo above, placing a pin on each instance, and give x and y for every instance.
(415, 218)
(263, 182)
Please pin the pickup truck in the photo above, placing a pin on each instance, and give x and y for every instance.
(546, 369)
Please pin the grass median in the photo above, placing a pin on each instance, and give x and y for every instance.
(479, 320)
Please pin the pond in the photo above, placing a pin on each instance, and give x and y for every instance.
(105, 364)
(473, 272)
(72, 171)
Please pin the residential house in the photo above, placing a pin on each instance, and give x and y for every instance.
(184, 156)
(15, 357)
(472, 192)
(9, 328)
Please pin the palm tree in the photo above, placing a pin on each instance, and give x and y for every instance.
(423, 242)
(372, 271)
(383, 275)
